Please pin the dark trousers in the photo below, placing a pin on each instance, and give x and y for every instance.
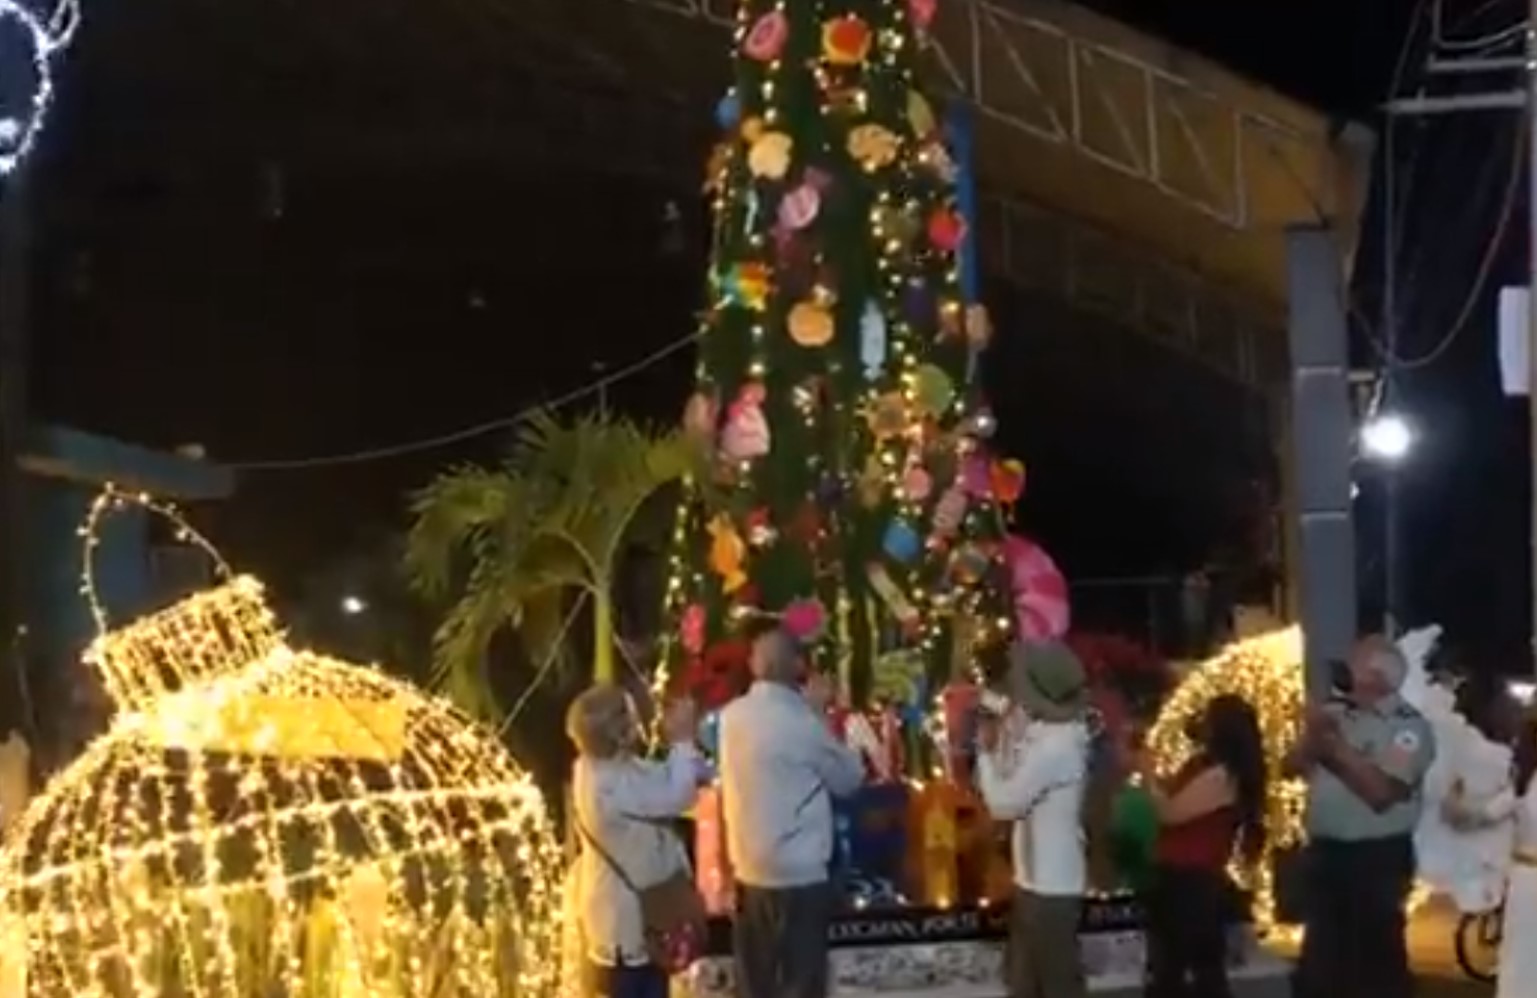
(780, 939)
(1043, 959)
(1187, 914)
(625, 982)
(1354, 918)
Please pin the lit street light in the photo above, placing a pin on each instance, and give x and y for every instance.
(1387, 438)
(353, 605)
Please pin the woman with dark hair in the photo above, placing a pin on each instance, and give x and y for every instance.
(1211, 809)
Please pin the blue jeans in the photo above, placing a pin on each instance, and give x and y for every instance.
(626, 982)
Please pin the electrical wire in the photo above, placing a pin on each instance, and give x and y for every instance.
(469, 432)
(1481, 276)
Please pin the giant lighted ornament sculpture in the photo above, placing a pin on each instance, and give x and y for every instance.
(259, 820)
(26, 91)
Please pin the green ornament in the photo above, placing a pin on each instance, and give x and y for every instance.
(933, 390)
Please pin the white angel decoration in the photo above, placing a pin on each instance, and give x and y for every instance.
(1466, 832)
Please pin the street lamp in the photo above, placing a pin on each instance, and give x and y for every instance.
(353, 605)
(1387, 438)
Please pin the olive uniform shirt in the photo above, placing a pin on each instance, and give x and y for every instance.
(1399, 741)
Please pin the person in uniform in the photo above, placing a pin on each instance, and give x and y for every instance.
(1364, 754)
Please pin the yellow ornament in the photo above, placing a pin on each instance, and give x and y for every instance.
(751, 129)
(811, 324)
(920, 115)
(873, 146)
(727, 553)
(769, 156)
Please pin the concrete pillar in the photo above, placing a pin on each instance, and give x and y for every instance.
(1321, 427)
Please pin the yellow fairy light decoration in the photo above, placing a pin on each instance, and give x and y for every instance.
(1267, 672)
(259, 820)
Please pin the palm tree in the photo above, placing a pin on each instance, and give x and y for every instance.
(510, 545)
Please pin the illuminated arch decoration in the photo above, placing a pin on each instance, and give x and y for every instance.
(25, 102)
(258, 817)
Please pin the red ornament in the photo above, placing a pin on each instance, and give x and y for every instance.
(946, 230)
(845, 40)
(767, 38)
(922, 12)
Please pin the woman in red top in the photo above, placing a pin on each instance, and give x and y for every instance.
(1212, 808)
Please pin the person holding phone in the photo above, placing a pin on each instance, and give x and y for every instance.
(780, 769)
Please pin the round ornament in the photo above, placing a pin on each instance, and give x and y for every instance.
(804, 620)
(728, 113)
(917, 483)
(946, 230)
(933, 390)
(769, 156)
(766, 39)
(846, 41)
(751, 129)
(901, 541)
(799, 207)
(811, 325)
(1008, 481)
(922, 12)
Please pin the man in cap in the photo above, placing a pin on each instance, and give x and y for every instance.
(1033, 770)
(1365, 755)
(780, 768)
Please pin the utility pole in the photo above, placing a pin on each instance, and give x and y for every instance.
(15, 282)
(1522, 99)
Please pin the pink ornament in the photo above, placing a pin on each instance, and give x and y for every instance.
(977, 476)
(922, 12)
(691, 629)
(1042, 608)
(804, 619)
(767, 38)
(799, 207)
(918, 484)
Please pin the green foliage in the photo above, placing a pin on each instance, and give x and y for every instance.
(508, 547)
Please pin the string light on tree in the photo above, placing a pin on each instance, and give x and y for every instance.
(26, 97)
(258, 818)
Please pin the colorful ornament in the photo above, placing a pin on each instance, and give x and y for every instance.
(946, 230)
(901, 541)
(969, 564)
(979, 326)
(691, 629)
(811, 325)
(769, 155)
(751, 129)
(922, 12)
(1042, 610)
(917, 483)
(933, 390)
(872, 340)
(728, 112)
(747, 285)
(949, 513)
(846, 41)
(888, 416)
(920, 115)
(799, 207)
(873, 146)
(1007, 481)
(804, 620)
(766, 39)
(746, 435)
(700, 416)
(727, 553)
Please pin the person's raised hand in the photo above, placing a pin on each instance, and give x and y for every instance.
(680, 721)
(818, 691)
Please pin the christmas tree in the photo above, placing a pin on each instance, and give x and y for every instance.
(850, 492)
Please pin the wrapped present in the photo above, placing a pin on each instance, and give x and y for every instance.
(712, 868)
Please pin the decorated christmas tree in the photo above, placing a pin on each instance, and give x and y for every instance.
(850, 493)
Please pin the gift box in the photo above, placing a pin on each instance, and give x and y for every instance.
(712, 869)
(875, 820)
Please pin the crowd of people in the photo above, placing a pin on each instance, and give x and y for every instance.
(1363, 755)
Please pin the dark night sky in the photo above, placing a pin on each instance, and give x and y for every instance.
(384, 307)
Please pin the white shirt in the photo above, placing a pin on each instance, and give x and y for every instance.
(780, 767)
(1042, 793)
(623, 803)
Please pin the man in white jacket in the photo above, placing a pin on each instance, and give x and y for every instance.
(780, 768)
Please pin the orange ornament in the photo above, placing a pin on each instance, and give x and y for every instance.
(1008, 481)
(845, 41)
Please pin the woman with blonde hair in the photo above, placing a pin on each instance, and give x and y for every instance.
(621, 807)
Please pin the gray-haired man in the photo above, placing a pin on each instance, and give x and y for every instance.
(780, 767)
(1365, 755)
